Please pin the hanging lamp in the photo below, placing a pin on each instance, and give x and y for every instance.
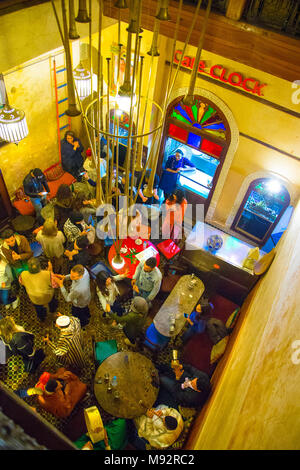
(13, 126)
(83, 81)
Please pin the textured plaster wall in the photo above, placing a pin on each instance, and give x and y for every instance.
(31, 89)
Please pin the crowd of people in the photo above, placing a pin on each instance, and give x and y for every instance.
(68, 239)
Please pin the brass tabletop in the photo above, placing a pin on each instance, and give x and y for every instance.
(136, 378)
(182, 299)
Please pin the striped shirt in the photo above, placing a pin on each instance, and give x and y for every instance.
(69, 347)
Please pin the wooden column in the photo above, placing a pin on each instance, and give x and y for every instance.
(235, 9)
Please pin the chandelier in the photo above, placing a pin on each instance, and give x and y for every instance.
(13, 126)
(83, 81)
(104, 114)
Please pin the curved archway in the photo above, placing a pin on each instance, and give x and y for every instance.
(264, 203)
(244, 188)
(232, 144)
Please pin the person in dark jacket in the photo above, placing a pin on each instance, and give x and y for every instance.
(134, 321)
(71, 158)
(20, 342)
(36, 187)
(188, 386)
(141, 197)
(169, 177)
(63, 205)
(78, 253)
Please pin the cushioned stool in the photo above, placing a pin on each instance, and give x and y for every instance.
(155, 340)
(168, 248)
(104, 349)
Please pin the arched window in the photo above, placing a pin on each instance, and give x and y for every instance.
(203, 134)
(262, 207)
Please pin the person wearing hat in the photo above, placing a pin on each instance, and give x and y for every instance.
(68, 348)
(71, 158)
(36, 187)
(169, 177)
(187, 385)
(197, 319)
(133, 323)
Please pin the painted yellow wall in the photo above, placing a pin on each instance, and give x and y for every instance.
(256, 402)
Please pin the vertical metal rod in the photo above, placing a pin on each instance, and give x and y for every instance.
(189, 98)
(107, 186)
(99, 195)
(135, 144)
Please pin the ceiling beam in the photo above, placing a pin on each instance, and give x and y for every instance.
(265, 50)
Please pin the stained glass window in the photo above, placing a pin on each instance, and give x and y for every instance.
(211, 147)
(178, 133)
(202, 116)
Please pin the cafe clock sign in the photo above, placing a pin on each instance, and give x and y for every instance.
(218, 72)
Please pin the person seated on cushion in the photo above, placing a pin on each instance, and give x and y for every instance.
(57, 393)
(71, 158)
(197, 319)
(189, 386)
(78, 253)
(133, 322)
(36, 187)
(16, 251)
(160, 427)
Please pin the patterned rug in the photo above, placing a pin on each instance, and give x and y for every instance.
(98, 329)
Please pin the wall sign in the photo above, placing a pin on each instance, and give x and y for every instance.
(218, 72)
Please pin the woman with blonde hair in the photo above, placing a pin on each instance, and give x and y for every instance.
(52, 241)
(20, 342)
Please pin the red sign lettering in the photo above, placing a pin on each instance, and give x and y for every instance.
(219, 72)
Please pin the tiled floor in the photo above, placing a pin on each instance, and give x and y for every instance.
(13, 375)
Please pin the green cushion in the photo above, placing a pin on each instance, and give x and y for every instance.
(117, 436)
(104, 349)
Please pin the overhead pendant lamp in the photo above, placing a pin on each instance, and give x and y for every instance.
(13, 126)
(83, 81)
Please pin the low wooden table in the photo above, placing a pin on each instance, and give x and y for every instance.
(182, 299)
(135, 374)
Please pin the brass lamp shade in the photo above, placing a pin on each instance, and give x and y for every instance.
(82, 16)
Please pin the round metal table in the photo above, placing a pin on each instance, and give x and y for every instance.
(137, 381)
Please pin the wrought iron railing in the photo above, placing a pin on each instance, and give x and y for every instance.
(280, 15)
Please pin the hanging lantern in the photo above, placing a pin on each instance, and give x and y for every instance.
(83, 81)
(13, 126)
